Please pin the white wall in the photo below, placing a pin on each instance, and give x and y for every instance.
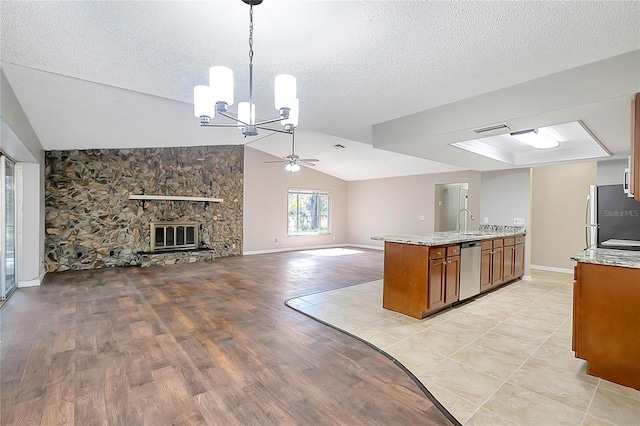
(30, 178)
(506, 195)
(559, 202)
(28, 207)
(610, 172)
(265, 204)
(394, 205)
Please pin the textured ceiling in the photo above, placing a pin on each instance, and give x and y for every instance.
(357, 63)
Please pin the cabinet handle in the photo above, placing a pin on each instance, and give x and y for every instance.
(449, 262)
(444, 263)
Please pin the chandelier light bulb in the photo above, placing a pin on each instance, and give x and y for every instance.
(203, 104)
(246, 115)
(221, 83)
(285, 91)
(294, 113)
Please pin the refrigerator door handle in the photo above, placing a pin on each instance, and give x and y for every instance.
(586, 223)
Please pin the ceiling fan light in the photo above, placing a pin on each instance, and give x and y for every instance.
(285, 91)
(292, 167)
(245, 114)
(294, 114)
(221, 83)
(203, 105)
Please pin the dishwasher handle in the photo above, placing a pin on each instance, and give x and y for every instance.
(470, 244)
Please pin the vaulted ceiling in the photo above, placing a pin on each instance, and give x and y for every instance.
(395, 82)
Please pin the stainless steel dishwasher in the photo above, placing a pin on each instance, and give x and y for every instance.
(470, 269)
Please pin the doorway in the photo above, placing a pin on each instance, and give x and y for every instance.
(8, 226)
(450, 199)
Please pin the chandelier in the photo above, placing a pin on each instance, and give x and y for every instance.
(218, 96)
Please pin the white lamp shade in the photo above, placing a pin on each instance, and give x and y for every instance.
(292, 167)
(246, 114)
(221, 83)
(203, 104)
(294, 113)
(285, 91)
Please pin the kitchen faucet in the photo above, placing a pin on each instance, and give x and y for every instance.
(458, 218)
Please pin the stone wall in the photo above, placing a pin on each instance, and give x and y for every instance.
(90, 222)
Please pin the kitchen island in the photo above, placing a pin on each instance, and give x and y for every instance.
(606, 314)
(422, 272)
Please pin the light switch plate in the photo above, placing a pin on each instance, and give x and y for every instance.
(421, 217)
(518, 220)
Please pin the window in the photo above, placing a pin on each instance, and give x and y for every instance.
(308, 212)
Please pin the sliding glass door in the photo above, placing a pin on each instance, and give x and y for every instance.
(8, 226)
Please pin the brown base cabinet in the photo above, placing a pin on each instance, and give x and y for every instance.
(605, 321)
(502, 261)
(420, 280)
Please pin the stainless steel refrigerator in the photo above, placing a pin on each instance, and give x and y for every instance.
(612, 218)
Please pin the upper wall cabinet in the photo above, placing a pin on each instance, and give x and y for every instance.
(634, 163)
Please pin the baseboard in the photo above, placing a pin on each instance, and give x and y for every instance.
(364, 246)
(552, 269)
(526, 278)
(31, 283)
(280, 250)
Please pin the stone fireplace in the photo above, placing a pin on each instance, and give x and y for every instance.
(167, 236)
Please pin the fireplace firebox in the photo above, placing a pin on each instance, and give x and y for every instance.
(166, 236)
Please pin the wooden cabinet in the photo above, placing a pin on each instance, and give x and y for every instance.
(452, 278)
(605, 321)
(419, 280)
(509, 260)
(501, 261)
(518, 257)
(486, 260)
(444, 277)
(634, 163)
(513, 258)
(491, 264)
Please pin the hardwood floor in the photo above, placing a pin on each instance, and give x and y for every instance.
(206, 343)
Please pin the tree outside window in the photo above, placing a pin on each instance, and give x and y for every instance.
(308, 212)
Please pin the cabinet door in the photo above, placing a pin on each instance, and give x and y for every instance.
(452, 280)
(518, 261)
(485, 270)
(497, 267)
(509, 263)
(437, 278)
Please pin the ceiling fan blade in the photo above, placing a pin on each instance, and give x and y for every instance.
(306, 163)
(276, 161)
(308, 160)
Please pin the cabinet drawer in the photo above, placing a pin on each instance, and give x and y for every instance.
(509, 241)
(487, 245)
(453, 251)
(520, 240)
(436, 252)
(498, 242)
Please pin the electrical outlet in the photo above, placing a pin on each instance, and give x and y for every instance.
(518, 220)
(485, 220)
(421, 217)
(276, 241)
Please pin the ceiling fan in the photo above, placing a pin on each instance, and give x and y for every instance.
(292, 161)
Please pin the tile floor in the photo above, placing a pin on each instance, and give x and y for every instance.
(504, 358)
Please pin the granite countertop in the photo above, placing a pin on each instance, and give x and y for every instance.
(611, 257)
(486, 232)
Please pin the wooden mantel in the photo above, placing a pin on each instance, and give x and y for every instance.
(173, 198)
